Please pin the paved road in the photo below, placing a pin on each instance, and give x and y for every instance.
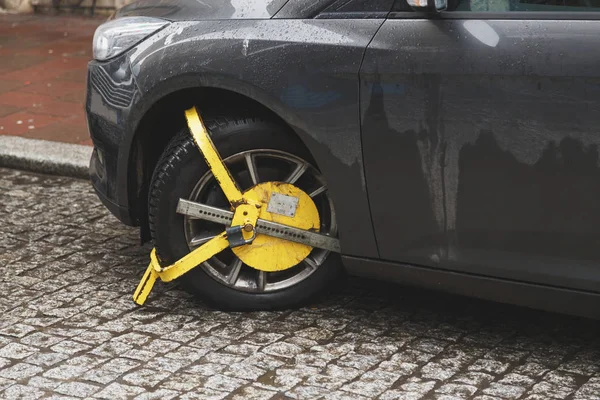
(68, 328)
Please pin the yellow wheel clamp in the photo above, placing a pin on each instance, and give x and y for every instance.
(272, 226)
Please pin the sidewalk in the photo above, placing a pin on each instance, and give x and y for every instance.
(42, 76)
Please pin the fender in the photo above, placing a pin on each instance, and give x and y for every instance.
(315, 92)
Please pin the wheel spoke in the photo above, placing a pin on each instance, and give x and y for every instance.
(319, 256)
(234, 272)
(317, 192)
(252, 168)
(297, 173)
(261, 280)
(201, 239)
(310, 263)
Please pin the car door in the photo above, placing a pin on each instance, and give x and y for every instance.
(480, 133)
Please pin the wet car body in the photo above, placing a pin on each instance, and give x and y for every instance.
(461, 148)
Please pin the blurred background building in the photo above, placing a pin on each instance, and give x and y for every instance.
(63, 6)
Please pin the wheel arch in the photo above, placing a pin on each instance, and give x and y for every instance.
(162, 117)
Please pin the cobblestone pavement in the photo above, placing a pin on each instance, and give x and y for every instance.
(70, 330)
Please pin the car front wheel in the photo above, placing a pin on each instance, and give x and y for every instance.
(255, 150)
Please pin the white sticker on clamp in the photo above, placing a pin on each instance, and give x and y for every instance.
(283, 205)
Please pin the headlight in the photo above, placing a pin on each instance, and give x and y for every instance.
(115, 37)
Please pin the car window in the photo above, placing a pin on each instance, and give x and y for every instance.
(401, 6)
(361, 6)
(524, 5)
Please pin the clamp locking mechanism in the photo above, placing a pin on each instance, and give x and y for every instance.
(235, 235)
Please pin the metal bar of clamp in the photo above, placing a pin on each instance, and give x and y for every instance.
(178, 268)
(213, 159)
(274, 229)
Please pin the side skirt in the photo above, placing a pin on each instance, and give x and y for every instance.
(560, 300)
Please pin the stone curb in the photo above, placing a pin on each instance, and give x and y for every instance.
(45, 156)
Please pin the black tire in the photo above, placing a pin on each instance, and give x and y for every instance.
(179, 169)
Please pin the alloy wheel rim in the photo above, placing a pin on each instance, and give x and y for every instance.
(248, 169)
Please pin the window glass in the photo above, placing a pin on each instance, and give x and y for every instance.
(361, 6)
(401, 6)
(524, 5)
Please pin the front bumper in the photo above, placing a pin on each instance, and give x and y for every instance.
(111, 91)
(123, 213)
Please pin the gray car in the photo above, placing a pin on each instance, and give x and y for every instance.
(448, 145)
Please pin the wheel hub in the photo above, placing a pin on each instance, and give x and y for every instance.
(286, 204)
